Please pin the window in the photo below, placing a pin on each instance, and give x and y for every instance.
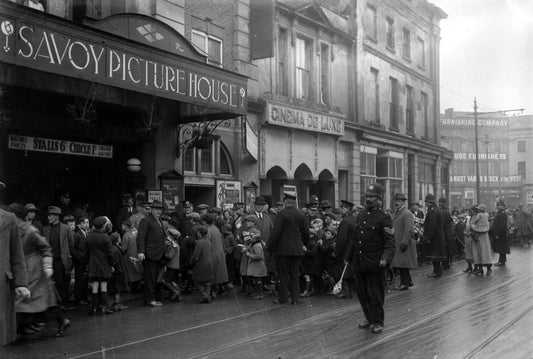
(471, 146)
(209, 45)
(471, 168)
(368, 164)
(393, 108)
(214, 160)
(206, 159)
(406, 48)
(497, 147)
(409, 110)
(391, 43)
(375, 87)
(304, 65)
(283, 62)
(324, 74)
(522, 169)
(521, 146)
(189, 160)
(426, 179)
(225, 164)
(372, 19)
(425, 113)
(395, 168)
(421, 53)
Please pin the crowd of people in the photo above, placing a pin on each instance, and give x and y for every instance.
(206, 252)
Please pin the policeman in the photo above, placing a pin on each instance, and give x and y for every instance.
(371, 249)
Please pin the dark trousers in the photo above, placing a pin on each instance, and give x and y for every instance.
(503, 257)
(437, 268)
(370, 290)
(288, 271)
(151, 273)
(61, 279)
(80, 281)
(405, 276)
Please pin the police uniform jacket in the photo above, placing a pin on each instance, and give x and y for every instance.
(434, 246)
(499, 233)
(373, 241)
(151, 238)
(290, 233)
(345, 234)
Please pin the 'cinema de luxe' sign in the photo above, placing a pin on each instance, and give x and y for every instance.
(54, 48)
(294, 117)
(26, 143)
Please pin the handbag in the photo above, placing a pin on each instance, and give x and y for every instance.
(338, 287)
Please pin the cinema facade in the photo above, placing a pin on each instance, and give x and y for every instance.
(94, 107)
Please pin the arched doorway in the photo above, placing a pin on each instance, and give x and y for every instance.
(306, 186)
(326, 186)
(272, 186)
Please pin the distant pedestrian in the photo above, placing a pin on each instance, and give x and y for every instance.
(119, 280)
(79, 261)
(202, 263)
(481, 248)
(524, 226)
(449, 240)
(371, 249)
(220, 280)
(287, 241)
(405, 249)
(499, 234)
(433, 237)
(256, 268)
(128, 246)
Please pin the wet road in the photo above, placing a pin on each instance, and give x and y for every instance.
(456, 316)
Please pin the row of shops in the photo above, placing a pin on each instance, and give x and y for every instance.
(100, 110)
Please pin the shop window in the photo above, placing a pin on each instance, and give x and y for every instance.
(304, 67)
(393, 106)
(521, 146)
(371, 20)
(391, 43)
(421, 53)
(283, 63)
(409, 110)
(522, 169)
(406, 48)
(206, 161)
(324, 74)
(374, 117)
(209, 45)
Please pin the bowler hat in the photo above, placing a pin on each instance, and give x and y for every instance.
(54, 210)
(442, 200)
(374, 190)
(325, 204)
(156, 204)
(260, 201)
(429, 198)
(347, 204)
(400, 196)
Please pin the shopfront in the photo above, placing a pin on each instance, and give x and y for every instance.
(299, 147)
(79, 101)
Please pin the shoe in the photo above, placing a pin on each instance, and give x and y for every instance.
(499, 264)
(411, 284)
(93, 311)
(434, 275)
(365, 324)
(205, 300)
(277, 301)
(489, 271)
(62, 328)
(402, 287)
(107, 310)
(36, 327)
(155, 303)
(258, 297)
(27, 330)
(304, 294)
(376, 328)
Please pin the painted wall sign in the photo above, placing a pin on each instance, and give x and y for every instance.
(482, 156)
(283, 115)
(470, 122)
(491, 179)
(38, 144)
(53, 48)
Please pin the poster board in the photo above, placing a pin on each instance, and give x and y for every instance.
(153, 195)
(171, 189)
(228, 193)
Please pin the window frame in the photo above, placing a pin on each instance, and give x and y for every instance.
(390, 34)
(394, 94)
(521, 146)
(422, 53)
(325, 74)
(406, 46)
(372, 17)
(302, 88)
(425, 112)
(206, 46)
(375, 78)
(521, 171)
(409, 110)
(283, 61)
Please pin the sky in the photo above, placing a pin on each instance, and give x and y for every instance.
(486, 52)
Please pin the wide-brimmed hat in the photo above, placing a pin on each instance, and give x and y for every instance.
(202, 206)
(30, 207)
(400, 196)
(54, 210)
(156, 204)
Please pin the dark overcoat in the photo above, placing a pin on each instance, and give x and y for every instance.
(151, 238)
(99, 255)
(403, 223)
(373, 241)
(12, 274)
(345, 234)
(433, 239)
(499, 234)
(218, 257)
(290, 233)
(448, 227)
(66, 242)
(129, 249)
(202, 261)
(311, 259)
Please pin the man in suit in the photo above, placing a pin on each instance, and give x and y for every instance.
(264, 222)
(449, 240)
(151, 247)
(433, 237)
(61, 239)
(125, 212)
(79, 260)
(289, 235)
(371, 249)
(498, 232)
(13, 269)
(405, 251)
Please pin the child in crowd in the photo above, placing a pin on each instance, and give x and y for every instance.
(256, 269)
(311, 260)
(331, 264)
(202, 263)
(119, 281)
(250, 222)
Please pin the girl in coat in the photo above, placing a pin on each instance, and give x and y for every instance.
(202, 263)
(250, 223)
(310, 267)
(42, 305)
(119, 281)
(256, 269)
(100, 262)
(331, 269)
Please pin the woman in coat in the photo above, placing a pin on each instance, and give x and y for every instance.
(99, 262)
(219, 256)
(202, 263)
(42, 305)
(129, 252)
(481, 249)
(405, 253)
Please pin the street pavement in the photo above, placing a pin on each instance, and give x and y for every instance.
(456, 316)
